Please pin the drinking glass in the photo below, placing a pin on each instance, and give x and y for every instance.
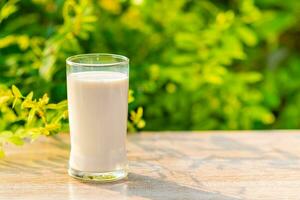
(97, 87)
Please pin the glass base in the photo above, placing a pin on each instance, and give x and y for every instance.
(98, 177)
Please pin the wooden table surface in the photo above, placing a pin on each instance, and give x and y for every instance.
(165, 165)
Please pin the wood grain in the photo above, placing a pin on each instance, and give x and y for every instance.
(165, 165)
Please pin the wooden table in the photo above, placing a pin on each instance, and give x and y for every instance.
(165, 165)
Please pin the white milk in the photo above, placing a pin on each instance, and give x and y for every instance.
(98, 103)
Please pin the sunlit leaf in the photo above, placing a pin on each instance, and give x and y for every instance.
(130, 96)
(141, 124)
(4, 99)
(31, 116)
(29, 96)
(16, 92)
(2, 154)
(8, 9)
(247, 35)
(16, 140)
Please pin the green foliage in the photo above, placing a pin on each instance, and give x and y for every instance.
(136, 121)
(23, 117)
(194, 64)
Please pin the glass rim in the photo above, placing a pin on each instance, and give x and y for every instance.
(123, 60)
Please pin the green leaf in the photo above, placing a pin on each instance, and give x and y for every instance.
(52, 106)
(247, 35)
(66, 114)
(251, 77)
(139, 113)
(8, 9)
(14, 102)
(130, 96)
(2, 154)
(44, 100)
(16, 140)
(44, 131)
(4, 99)
(28, 104)
(29, 96)
(62, 104)
(31, 116)
(53, 127)
(141, 124)
(16, 92)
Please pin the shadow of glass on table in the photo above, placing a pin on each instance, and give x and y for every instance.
(138, 186)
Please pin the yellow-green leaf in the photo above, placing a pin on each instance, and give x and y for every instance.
(8, 9)
(130, 96)
(16, 140)
(31, 116)
(44, 100)
(16, 92)
(52, 106)
(52, 127)
(28, 104)
(66, 114)
(132, 115)
(4, 99)
(247, 35)
(60, 105)
(2, 154)
(139, 112)
(44, 131)
(14, 102)
(141, 124)
(29, 96)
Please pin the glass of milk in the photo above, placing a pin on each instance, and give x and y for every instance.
(98, 101)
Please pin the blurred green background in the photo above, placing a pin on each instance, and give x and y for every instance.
(195, 64)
